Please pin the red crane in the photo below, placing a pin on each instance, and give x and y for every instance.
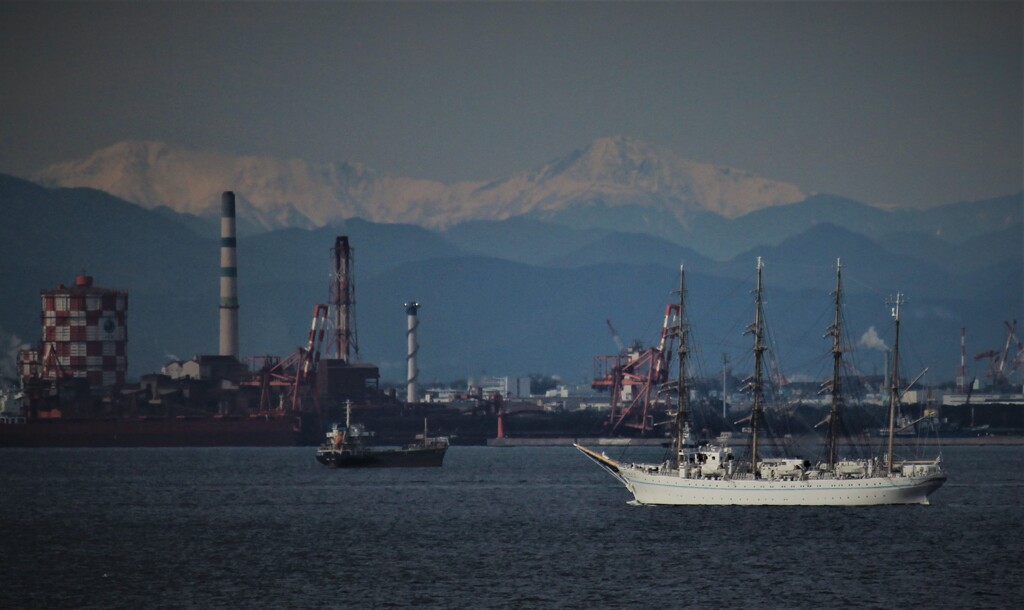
(997, 370)
(1011, 337)
(633, 378)
(295, 375)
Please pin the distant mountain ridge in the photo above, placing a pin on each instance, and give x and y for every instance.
(512, 296)
(610, 172)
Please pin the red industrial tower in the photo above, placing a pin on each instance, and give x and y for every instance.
(342, 300)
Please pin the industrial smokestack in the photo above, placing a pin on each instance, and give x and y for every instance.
(412, 394)
(341, 298)
(228, 278)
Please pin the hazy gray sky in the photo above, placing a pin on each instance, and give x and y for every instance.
(901, 103)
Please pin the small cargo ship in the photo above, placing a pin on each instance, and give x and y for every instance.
(351, 447)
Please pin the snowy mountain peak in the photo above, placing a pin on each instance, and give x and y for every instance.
(619, 154)
(620, 170)
(611, 171)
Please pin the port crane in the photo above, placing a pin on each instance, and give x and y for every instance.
(294, 377)
(634, 378)
(997, 365)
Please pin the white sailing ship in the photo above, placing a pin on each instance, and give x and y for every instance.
(709, 474)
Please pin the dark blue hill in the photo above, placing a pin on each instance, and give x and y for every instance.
(633, 249)
(521, 239)
(482, 314)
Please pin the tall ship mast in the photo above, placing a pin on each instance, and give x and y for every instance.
(835, 412)
(894, 386)
(757, 380)
(681, 424)
(710, 474)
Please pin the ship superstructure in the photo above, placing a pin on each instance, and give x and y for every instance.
(352, 446)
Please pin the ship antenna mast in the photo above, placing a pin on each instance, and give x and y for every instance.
(834, 416)
(755, 386)
(682, 424)
(894, 388)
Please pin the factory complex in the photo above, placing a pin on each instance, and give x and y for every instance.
(74, 391)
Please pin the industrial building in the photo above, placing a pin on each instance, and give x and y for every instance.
(84, 336)
(506, 387)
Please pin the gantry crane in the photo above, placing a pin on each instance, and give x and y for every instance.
(294, 376)
(634, 378)
(997, 360)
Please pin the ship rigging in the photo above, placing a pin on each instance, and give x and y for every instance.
(710, 474)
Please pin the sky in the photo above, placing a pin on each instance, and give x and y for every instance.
(903, 104)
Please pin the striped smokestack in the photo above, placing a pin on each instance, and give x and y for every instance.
(412, 393)
(228, 278)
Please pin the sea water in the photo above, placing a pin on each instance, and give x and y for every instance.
(495, 527)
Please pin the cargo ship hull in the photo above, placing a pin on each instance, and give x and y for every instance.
(431, 457)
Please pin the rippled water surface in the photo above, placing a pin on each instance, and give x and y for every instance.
(495, 527)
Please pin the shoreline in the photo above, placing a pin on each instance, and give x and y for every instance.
(1001, 440)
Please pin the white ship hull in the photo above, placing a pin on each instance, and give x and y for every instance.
(666, 489)
(651, 484)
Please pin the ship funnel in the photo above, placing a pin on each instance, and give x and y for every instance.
(412, 394)
(228, 278)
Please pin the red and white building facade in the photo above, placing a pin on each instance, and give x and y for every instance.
(84, 335)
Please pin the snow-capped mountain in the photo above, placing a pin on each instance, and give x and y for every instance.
(625, 171)
(611, 172)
